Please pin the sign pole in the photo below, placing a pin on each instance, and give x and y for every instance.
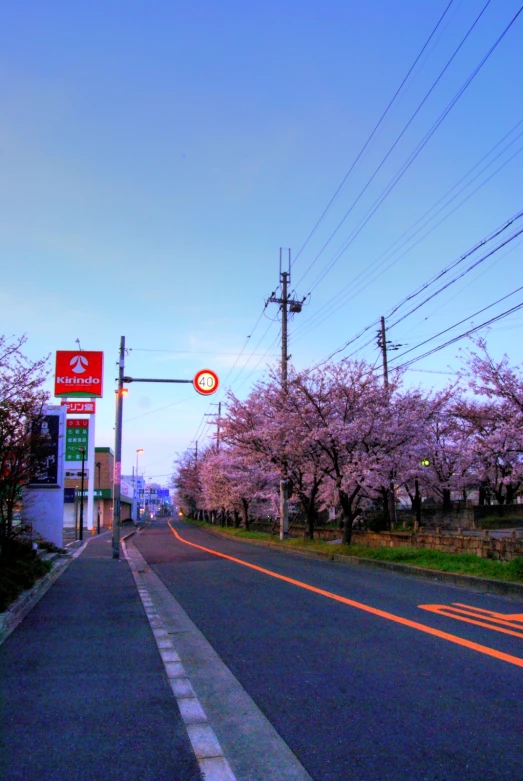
(118, 453)
(82, 453)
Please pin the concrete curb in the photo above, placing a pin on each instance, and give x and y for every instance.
(502, 587)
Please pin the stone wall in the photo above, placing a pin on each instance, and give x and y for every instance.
(484, 546)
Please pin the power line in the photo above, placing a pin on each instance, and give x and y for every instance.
(459, 276)
(391, 149)
(369, 139)
(223, 384)
(423, 287)
(261, 359)
(461, 289)
(347, 293)
(392, 184)
(450, 328)
(183, 352)
(461, 336)
(158, 409)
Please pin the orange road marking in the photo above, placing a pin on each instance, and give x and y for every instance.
(505, 616)
(461, 615)
(366, 608)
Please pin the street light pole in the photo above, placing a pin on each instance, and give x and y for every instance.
(98, 466)
(117, 489)
(81, 450)
(138, 452)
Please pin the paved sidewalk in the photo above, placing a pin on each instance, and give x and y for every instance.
(83, 690)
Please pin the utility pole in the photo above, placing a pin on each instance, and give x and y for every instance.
(382, 342)
(218, 423)
(118, 453)
(294, 307)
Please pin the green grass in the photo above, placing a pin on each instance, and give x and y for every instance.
(249, 535)
(460, 563)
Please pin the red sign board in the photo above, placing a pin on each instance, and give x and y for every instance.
(80, 407)
(79, 373)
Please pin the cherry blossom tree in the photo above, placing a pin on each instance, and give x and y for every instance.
(186, 481)
(266, 427)
(22, 401)
(497, 448)
(499, 423)
(342, 410)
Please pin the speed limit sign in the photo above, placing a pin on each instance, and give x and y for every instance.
(206, 382)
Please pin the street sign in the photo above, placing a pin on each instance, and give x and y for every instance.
(78, 373)
(206, 382)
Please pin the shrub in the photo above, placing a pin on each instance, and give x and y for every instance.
(21, 568)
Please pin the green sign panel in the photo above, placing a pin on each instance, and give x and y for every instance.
(99, 493)
(77, 435)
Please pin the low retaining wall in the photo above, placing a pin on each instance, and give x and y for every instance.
(484, 546)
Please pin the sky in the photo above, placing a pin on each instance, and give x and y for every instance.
(156, 156)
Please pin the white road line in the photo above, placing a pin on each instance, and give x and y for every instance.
(204, 742)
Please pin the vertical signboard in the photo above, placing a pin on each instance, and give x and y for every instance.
(42, 499)
(77, 435)
(45, 451)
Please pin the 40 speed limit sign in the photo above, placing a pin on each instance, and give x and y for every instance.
(206, 382)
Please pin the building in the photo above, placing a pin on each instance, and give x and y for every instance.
(103, 493)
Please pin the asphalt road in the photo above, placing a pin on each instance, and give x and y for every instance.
(357, 692)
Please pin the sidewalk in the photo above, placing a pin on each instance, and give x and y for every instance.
(83, 688)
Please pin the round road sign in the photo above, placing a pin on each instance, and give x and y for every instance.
(206, 382)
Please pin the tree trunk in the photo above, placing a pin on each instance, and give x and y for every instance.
(385, 498)
(498, 493)
(236, 519)
(446, 500)
(510, 494)
(308, 505)
(348, 515)
(481, 497)
(245, 513)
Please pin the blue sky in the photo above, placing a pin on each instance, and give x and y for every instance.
(156, 156)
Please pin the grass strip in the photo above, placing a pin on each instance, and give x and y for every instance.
(460, 563)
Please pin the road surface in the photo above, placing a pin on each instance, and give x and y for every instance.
(365, 674)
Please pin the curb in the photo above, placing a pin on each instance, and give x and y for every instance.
(502, 587)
